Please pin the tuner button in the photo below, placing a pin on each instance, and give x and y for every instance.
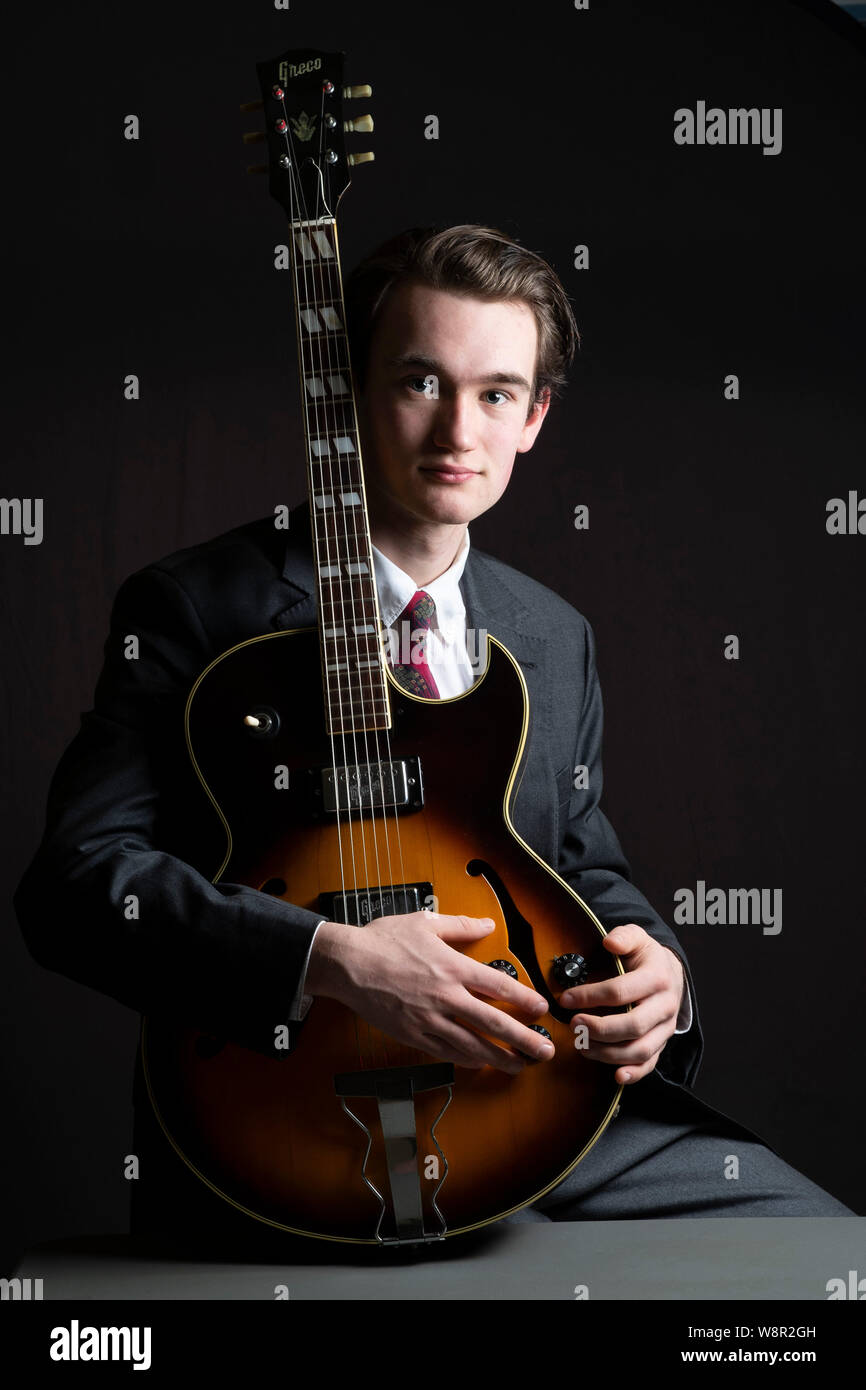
(328, 87)
(277, 91)
(570, 969)
(364, 90)
(361, 125)
(285, 161)
(537, 1028)
(361, 158)
(281, 126)
(505, 966)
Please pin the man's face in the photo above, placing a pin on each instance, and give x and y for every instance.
(444, 408)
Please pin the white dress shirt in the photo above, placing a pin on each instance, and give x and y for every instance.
(450, 662)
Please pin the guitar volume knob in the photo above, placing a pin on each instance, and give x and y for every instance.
(570, 969)
(537, 1028)
(505, 966)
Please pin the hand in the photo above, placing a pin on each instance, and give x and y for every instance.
(400, 974)
(654, 982)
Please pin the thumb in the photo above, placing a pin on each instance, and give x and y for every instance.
(625, 939)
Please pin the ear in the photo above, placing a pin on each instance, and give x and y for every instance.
(534, 421)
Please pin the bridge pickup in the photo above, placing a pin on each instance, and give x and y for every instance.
(385, 900)
(365, 788)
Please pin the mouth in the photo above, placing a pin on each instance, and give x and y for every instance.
(448, 474)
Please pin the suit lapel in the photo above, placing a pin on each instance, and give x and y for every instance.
(490, 606)
(299, 604)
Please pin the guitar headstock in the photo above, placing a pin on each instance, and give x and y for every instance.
(305, 129)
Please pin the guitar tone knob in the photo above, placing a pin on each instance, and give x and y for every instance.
(505, 966)
(537, 1028)
(570, 969)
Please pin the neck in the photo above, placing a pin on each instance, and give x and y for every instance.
(423, 549)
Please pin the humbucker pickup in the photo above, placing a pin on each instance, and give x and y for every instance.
(362, 905)
(367, 788)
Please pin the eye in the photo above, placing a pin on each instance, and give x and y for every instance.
(495, 392)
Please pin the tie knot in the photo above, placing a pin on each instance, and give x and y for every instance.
(420, 610)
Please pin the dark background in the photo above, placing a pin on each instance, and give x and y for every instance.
(707, 516)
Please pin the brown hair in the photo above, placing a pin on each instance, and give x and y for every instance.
(469, 260)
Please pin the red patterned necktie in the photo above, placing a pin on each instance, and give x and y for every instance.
(414, 674)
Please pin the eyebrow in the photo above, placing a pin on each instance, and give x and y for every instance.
(430, 364)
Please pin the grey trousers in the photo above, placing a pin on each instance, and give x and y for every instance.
(669, 1154)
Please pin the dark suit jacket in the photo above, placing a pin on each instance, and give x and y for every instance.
(226, 957)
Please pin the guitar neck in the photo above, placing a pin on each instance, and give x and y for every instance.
(354, 681)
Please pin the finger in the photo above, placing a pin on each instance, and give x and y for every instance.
(509, 1030)
(626, 1076)
(621, 989)
(459, 928)
(477, 1050)
(625, 1054)
(496, 984)
(615, 1028)
(626, 938)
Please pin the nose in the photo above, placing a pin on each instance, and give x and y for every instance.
(455, 425)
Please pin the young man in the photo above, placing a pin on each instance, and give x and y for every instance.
(459, 340)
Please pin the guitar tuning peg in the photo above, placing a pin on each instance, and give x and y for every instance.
(361, 124)
(361, 158)
(252, 105)
(252, 137)
(258, 169)
(364, 90)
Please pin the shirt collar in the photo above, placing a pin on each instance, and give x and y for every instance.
(396, 587)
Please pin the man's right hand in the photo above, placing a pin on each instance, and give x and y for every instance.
(402, 975)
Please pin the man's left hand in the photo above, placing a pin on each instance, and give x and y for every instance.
(654, 982)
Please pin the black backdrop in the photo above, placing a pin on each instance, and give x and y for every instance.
(707, 516)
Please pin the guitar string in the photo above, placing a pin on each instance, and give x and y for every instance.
(363, 554)
(327, 285)
(297, 202)
(334, 286)
(327, 270)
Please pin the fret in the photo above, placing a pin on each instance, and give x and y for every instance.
(355, 634)
(346, 701)
(342, 728)
(344, 705)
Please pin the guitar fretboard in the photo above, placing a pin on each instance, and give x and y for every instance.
(356, 691)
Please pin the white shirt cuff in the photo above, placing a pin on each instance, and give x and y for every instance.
(684, 1017)
(300, 1005)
